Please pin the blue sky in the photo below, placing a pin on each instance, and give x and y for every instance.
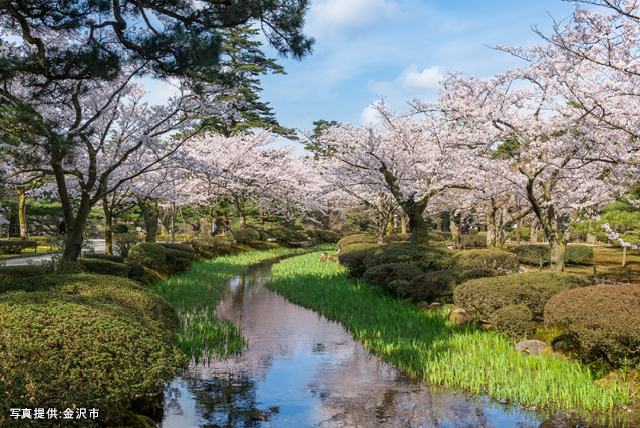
(396, 49)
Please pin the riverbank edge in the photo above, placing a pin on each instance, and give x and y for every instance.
(313, 287)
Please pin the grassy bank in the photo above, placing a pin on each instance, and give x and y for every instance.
(425, 345)
(195, 295)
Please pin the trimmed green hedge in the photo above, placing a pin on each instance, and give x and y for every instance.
(383, 275)
(532, 289)
(206, 245)
(358, 247)
(605, 319)
(105, 267)
(396, 237)
(243, 236)
(434, 285)
(531, 254)
(148, 254)
(15, 246)
(424, 257)
(9, 273)
(500, 261)
(44, 240)
(513, 321)
(52, 356)
(115, 259)
(473, 241)
(285, 234)
(357, 238)
(324, 236)
(525, 234)
(136, 271)
(185, 248)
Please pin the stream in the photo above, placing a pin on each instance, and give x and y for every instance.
(302, 370)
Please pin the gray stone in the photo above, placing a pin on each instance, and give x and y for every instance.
(533, 347)
(560, 343)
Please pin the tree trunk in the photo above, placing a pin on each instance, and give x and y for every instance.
(22, 211)
(238, 203)
(454, 232)
(403, 223)
(108, 223)
(624, 256)
(150, 214)
(419, 232)
(75, 229)
(490, 213)
(558, 249)
(519, 233)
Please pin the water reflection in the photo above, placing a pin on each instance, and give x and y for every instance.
(302, 370)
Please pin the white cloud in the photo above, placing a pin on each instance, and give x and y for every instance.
(413, 78)
(340, 16)
(369, 115)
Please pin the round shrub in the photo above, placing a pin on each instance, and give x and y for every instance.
(357, 238)
(426, 258)
(120, 228)
(532, 289)
(382, 275)
(105, 267)
(286, 234)
(525, 234)
(531, 254)
(357, 247)
(398, 287)
(354, 262)
(605, 319)
(136, 270)
(62, 351)
(148, 254)
(473, 241)
(9, 273)
(206, 244)
(500, 261)
(396, 237)
(513, 321)
(433, 285)
(115, 259)
(324, 236)
(243, 236)
(185, 248)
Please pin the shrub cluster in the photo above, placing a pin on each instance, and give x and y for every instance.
(473, 241)
(44, 240)
(286, 234)
(9, 273)
(396, 237)
(433, 285)
(357, 247)
(105, 267)
(136, 271)
(532, 254)
(513, 321)
(15, 246)
(243, 236)
(120, 228)
(356, 238)
(47, 322)
(208, 246)
(383, 275)
(115, 259)
(532, 289)
(525, 234)
(605, 320)
(148, 254)
(500, 261)
(423, 257)
(324, 236)
(123, 243)
(179, 256)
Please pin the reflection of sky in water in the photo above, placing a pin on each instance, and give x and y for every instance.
(302, 370)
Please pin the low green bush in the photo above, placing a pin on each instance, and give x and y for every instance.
(434, 285)
(136, 271)
(265, 235)
(15, 246)
(532, 289)
(324, 236)
(124, 242)
(525, 234)
(357, 238)
(513, 321)
(44, 240)
(185, 248)
(357, 247)
(286, 234)
(398, 287)
(115, 259)
(9, 273)
(396, 237)
(243, 236)
(445, 235)
(179, 261)
(120, 228)
(424, 257)
(604, 319)
(473, 231)
(473, 241)
(500, 261)
(148, 254)
(532, 254)
(206, 244)
(383, 275)
(64, 351)
(105, 267)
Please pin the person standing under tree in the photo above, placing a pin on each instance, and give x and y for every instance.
(62, 227)
(196, 227)
(213, 228)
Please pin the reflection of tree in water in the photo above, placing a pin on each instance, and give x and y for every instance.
(229, 402)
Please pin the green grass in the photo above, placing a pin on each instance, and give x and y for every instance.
(30, 252)
(195, 295)
(424, 345)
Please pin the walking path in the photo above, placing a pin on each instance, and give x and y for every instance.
(98, 244)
